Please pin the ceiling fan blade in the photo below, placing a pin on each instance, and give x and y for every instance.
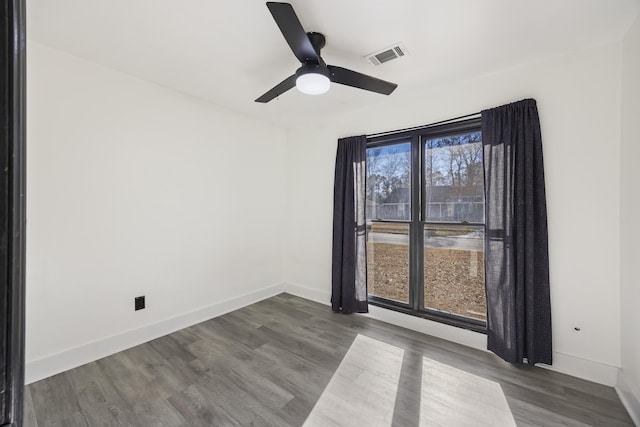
(361, 81)
(292, 30)
(279, 89)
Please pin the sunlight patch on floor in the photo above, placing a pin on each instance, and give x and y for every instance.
(364, 389)
(453, 397)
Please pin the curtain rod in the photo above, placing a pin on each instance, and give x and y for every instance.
(375, 135)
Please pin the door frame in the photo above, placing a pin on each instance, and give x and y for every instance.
(12, 208)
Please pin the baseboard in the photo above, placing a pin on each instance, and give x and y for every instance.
(564, 363)
(69, 359)
(78, 356)
(589, 370)
(440, 330)
(629, 396)
(307, 293)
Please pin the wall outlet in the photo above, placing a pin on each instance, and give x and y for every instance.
(139, 303)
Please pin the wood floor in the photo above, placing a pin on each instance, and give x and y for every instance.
(287, 361)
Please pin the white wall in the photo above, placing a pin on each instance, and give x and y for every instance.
(579, 103)
(629, 383)
(133, 190)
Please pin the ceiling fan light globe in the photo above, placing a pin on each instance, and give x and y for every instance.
(313, 83)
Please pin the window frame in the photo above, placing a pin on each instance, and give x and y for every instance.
(415, 305)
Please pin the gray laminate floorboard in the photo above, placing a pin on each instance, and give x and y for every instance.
(287, 361)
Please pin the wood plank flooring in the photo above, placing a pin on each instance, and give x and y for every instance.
(287, 361)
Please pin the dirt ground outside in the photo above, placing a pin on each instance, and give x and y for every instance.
(454, 279)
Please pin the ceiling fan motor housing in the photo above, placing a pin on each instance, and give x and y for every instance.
(317, 40)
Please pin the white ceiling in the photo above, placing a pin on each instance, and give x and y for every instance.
(230, 51)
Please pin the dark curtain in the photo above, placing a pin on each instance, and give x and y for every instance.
(516, 254)
(349, 265)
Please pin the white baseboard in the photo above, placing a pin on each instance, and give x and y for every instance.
(577, 367)
(436, 329)
(308, 293)
(440, 330)
(589, 370)
(629, 396)
(69, 359)
(78, 356)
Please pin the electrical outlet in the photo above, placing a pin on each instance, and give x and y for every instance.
(139, 303)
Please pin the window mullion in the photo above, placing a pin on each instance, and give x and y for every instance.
(416, 246)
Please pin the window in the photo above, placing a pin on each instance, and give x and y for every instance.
(425, 223)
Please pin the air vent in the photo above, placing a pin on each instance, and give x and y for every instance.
(385, 55)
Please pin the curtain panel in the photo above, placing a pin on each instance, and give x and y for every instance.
(349, 263)
(516, 247)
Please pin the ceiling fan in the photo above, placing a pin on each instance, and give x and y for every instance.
(314, 76)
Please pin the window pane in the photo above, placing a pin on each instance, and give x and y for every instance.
(454, 270)
(454, 188)
(389, 182)
(388, 260)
